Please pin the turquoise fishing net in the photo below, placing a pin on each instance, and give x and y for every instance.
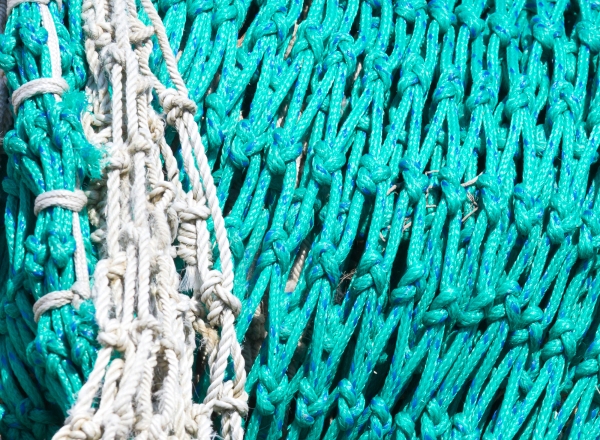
(43, 362)
(410, 192)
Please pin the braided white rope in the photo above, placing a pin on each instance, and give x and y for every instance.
(227, 398)
(147, 391)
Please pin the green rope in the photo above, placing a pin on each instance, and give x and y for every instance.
(446, 190)
(43, 364)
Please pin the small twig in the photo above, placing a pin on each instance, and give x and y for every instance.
(469, 215)
(472, 181)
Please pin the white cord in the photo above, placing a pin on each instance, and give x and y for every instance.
(73, 201)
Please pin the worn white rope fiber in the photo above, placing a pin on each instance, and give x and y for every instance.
(227, 398)
(147, 391)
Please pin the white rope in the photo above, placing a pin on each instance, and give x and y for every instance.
(225, 397)
(146, 391)
(54, 300)
(71, 200)
(74, 201)
(36, 87)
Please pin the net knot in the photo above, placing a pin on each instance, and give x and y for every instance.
(561, 340)
(325, 263)
(414, 72)
(589, 234)
(483, 91)
(310, 405)
(175, 105)
(370, 272)
(234, 225)
(444, 306)
(370, 174)
(326, 162)
(529, 211)
(269, 392)
(282, 152)
(563, 99)
(589, 34)
(490, 195)
(350, 405)
(415, 182)
(547, 32)
(275, 250)
(453, 192)
(409, 10)
(467, 15)
(439, 10)
(449, 86)
(503, 27)
(381, 420)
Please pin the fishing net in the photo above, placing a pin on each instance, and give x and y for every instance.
(316, 219)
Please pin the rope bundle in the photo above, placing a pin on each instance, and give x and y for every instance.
(325, 219)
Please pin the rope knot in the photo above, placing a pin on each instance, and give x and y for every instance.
(275, 249)
(449, 86)
(74, 201)
(325, 263)
(561, 340)
(452, 190)
(175, 105)
(309, 404)
(282, 152)
(414, 72)
(521, 95)
(438, 418)
(409, 10)
(415, 182)
(370, 272)
(529, 211)
(565, 218)
(467, 15)
(589, 34)
(370, 174)
(589, 234)
(562, 99)
(546, 32)
(236, 244)
(377, 66)
(114, 336)
(341, 48)
(483, 92)
(381, 420)
(326, 162)
(350, 405)
(490, 195)
(503, 27)
(439, 10)
(444, 306)
(270, 392)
